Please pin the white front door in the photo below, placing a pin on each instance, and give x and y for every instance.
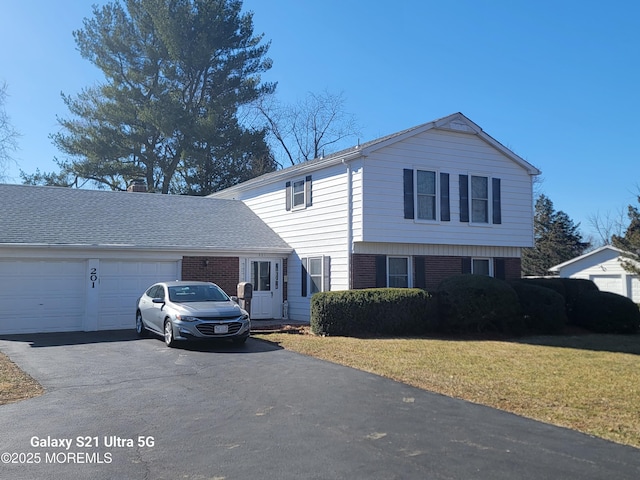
(267, 290)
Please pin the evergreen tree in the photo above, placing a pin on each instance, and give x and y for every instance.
(177, 72)
(556, 239)
(630, 242)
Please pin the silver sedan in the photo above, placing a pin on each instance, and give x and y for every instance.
(184, 310)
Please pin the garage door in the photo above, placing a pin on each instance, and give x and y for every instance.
(609, 283)
(121, 283)
(41, 296)
(635, 289)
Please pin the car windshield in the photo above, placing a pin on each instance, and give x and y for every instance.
(196, 293)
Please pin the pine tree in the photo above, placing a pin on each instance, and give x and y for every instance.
(177, 72)
(556, 240)
(630, 242)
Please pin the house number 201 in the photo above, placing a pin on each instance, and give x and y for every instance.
(93, 277)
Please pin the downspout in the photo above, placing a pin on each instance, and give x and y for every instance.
(349, 221)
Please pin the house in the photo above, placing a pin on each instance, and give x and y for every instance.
(405, 210)
(603, 267)
(78, 259)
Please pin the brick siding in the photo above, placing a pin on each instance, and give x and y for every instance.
(223, 271)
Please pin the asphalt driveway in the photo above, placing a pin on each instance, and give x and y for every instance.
(134, 409)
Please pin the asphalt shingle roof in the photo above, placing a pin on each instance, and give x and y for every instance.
(64, 216)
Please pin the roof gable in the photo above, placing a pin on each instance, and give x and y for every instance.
(456, 122)
(33, 215)
(594, 257)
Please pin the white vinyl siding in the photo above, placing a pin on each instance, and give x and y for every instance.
(456, 154)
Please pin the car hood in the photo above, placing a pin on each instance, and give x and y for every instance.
(210, 309)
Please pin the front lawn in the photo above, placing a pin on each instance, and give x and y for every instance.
(589, 383)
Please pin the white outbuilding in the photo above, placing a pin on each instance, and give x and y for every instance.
(603, 267)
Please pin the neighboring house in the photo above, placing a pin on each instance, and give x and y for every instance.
(78, 259)
(603, 267)
(406, 210)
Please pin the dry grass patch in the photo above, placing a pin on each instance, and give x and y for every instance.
(15, 385)
(588, 383)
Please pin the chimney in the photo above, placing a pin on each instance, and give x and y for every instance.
(137, 186)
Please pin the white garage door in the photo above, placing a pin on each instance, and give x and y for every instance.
(635, 289)
(41, 295)
(74, 295)
(121, 283)
(609, 283)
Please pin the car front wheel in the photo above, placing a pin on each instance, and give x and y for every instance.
(168, 334)
(140, 328)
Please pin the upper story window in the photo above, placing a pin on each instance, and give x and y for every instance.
(298, 194)
(426, 195)
(480, 199)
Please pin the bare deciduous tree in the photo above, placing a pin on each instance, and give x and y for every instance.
(309, 128)
(8, 136)
(607, 225)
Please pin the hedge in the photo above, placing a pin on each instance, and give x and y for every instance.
(374, 311)
(606, 312)
(543, 308)
(477, 303)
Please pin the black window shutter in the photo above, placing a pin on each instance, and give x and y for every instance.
(381, 271)
(408, 193)
(307, 191)
(499, 268)
(497, 209)
(466, 265)
(464, 198)
(419, 268)
(287, 193)
(303, 278)
(445, 209)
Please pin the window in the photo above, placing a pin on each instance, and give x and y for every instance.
(261, 276)
(479, 199)
(298, 194)
(426, 195)
(428, 199)
(315, 275)
(481, 266)
(398, 272)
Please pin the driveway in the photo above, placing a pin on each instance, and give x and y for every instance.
(259, 412)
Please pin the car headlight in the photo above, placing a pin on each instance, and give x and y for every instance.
(186, 318)
(245, 316)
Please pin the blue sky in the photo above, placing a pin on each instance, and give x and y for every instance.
(555, 81)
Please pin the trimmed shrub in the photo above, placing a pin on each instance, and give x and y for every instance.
(477, 303)
(543, 308)
(606, 312)
(374, 311)
(574, 288)
(555, 284)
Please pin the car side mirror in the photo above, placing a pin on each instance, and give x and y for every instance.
(234, 299)
(158, 300)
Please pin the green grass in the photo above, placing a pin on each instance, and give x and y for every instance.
(589, 383)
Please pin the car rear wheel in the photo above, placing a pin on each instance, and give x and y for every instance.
(168, 334)
(141, 330)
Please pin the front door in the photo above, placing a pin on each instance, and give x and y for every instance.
(267, 295)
